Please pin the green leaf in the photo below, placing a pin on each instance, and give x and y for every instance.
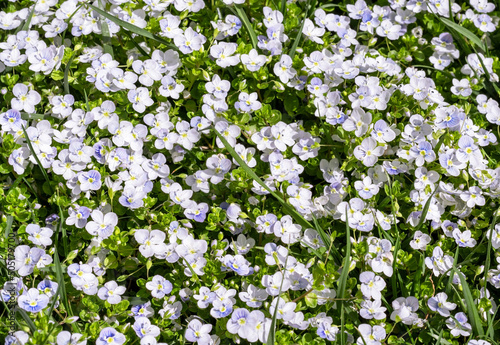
(57, 75)
(131, 27)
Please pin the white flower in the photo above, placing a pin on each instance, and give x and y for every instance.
(438, 303)
(283, 69)
(223, 53)
(25, 99)
(111, 292)
(368, 152)
(371, 285)
(140, 99)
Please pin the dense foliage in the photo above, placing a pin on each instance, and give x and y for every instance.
(249, 171)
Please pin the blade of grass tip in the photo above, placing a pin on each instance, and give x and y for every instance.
(343, 278)
(440, 143)
(66, 73)
(325, 238)
(44, 172)
(192, 271)
(425, 211)
(18, 179)
(287, 208)
(248, 26)
(27, 22)
(106, 35)
(68, 20)
(86, 100)
(271, 337)
(299, 34)
(54, 301)
(471, 306)
(132, 28)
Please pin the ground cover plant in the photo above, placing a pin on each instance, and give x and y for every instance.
(249, 171)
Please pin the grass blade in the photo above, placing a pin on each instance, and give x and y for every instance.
(27, 23)
(106, 36)
(283, 8)
(343, 279)
(325, 238)
(487, 264)
(26, 116)
(69, 20)
(299, 34)
(139, 48)
(66, 73)
(471, 305)
(286, 207)
(28, 320)
(8, 225)
(425, 210)
(192, 271)
(44, 172)
(62, 230)
(464, 32)
(271, 338)
(132, 28)
(62, 288)
(248, 25)
(54, 301)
